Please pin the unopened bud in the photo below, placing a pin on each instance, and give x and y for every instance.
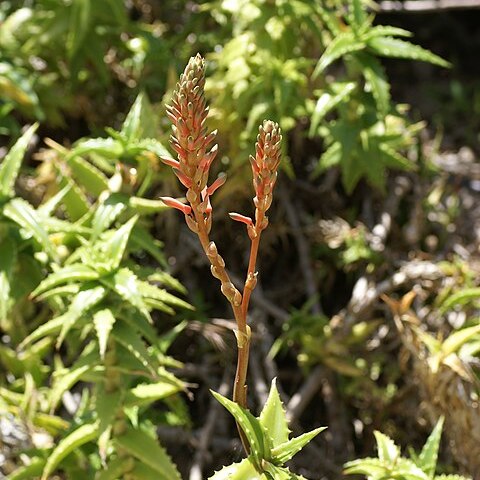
(251, 282)
(229, 290)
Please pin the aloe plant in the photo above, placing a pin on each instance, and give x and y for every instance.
(391, 464)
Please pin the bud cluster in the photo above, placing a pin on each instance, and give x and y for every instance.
(192, 143)
(264, 168)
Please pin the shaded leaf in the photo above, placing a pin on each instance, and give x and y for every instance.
(84, 434)
(10, 166)
(148, 451)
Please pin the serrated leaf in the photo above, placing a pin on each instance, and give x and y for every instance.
(105, 147)
(75, 201)
(372, 467)
(385, 31)
(284, 452)
(68, 274)
(83, 301)
(103, 321)
(22, 213)
(130, 340)
(140, 121)
(145, 206)
(126, 284)
(106, 213)
(151, 291)
(107, 405)
(396, 48)
(115, 469)
(327, 102)
(10, 166)
(146, 393)
(66, 378)
(377, 81)
(427, 460)
(273, 418)
(49, 328)
(341, 45)
(84, 434)
(387, 450)
(93, 180)
(249, 424)
(148, 451)
(245, 470)
(114, 246)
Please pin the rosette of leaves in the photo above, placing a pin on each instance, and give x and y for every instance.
(103, 322)
(390, 463)
(268, 441)
(124, 163)
(26, 242)
(365, 133)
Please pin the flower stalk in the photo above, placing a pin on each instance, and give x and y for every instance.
(195, 153)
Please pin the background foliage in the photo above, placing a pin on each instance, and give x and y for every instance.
(112, 332)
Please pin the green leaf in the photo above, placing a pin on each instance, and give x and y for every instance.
(387, 450)
(68, 274)
(429, 454)
(376, 80)
(273, 418)
(446, 477)
(33, 470)
(115, 469)
(284, 452)
(75, 201)
(48, 208)
(84, 434)
(245, 470)
(10, 166)
(145, 206)
(8, 253)
(64, 379)
(103, 321)
(129, 339)
(24, 214)
(107, 406)
(79, 26)
(393, 47)
(126, 284)
(385, 31)
(457, 339)
(327, 102)
(249, 424)
(114, 246)
(462, 297)
(140, 121)
(88, 176)
(341, 45)
(151, 291)
(83, 301)
(49, 328)
(106, 213)
(148, 451)
(146, 393)
(105, 147)
(372, 467)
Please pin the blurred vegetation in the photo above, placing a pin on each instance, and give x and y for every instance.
(368, 306)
